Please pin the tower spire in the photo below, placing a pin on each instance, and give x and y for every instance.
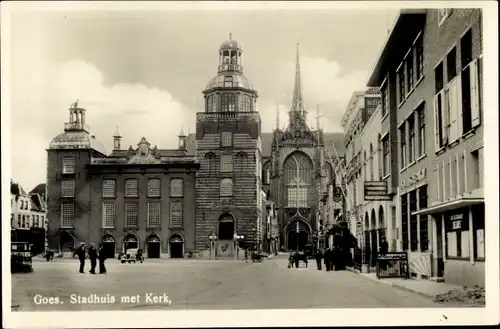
(297, 88)
(317, 116)
(277, 117)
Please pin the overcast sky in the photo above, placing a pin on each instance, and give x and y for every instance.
(144, 70)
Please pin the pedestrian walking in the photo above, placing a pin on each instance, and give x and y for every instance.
(290, 260)
(80, 252)
(102, 258)
(296, 258)
(318, 256)
(93, 258)
(326, 257)
(246, 255)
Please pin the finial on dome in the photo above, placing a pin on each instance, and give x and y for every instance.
(117, 133)
(230, 36)
(181, 134)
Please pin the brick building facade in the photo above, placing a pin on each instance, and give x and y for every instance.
(429, 73)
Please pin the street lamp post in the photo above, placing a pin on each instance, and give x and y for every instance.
(212, 239)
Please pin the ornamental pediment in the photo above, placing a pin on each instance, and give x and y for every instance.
(143, 154)
(298, 137)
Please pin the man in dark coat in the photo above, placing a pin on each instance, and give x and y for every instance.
(318, 256)
(327, 258)
(102, 258)
(93, 258)
(384, 249)
(80, 252)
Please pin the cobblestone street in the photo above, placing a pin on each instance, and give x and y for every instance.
(199, 284)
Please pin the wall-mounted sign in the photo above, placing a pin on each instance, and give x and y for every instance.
(457, 221)
(377, 191)
(414, 178)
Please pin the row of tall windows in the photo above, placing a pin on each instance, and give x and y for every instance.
(414, 228)
(412, 137)
(230, 103)
(411, 70)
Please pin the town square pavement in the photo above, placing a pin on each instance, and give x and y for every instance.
(200, 285)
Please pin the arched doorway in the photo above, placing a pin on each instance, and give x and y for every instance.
(297, 233)
(176, 246)
(108, 246)
(226, 227)
(130, 242)
(154, 245)
(67, 245)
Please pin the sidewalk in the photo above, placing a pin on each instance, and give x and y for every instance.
(422, 287)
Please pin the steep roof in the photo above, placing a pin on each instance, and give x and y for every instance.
(17, 189)
(39, 189)
(37, 202)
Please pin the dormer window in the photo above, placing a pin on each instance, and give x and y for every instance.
(228, 81)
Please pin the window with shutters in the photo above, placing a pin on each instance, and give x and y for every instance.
(108, 188)
(226, 163)
(131, 188)
(68, 164)
(108, 214)
(211, 104)
(67, 215)
(441, 124)
(67, 188)
(131, 214)
(402, 143)
(176, 217)
(421, 129)
(411, 139)
(176, 187)
(454, 109)
(153, 214)
(228, 103)
(154, 187)
(226, 139)
(226, 187)
(469, 85)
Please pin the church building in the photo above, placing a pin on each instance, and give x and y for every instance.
(209, 194)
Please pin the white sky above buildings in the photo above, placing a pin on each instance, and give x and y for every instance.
(144, 70)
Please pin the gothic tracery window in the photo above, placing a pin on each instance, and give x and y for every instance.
(299, 179)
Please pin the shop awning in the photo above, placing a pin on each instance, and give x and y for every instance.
(449, 205)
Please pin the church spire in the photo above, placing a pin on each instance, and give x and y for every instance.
(297, 113)
(297, 88)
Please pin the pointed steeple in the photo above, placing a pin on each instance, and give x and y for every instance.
(297, 113)
(297, 88)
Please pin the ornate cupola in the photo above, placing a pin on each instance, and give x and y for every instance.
(182, 139)
(230, 90)
(117, 137)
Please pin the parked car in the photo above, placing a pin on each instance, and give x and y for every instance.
(131, 256)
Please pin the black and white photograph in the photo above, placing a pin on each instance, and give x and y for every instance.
(267, 163)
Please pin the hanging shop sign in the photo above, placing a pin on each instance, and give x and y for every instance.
(376, 191)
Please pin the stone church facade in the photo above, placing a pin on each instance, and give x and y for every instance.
(204, 197)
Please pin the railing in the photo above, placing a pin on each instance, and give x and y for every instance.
(179, 159)
(76, 126)
(227, 115)
(230, 67)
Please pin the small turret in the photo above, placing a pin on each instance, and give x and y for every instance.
(117, 137)
(182, 140)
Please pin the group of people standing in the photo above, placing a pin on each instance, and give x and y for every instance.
(94, 254)
(333, 258)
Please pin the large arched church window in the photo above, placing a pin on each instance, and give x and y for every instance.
(211, 104)
(266, 173)
(228, 103)
(245, 103)
(299, 179)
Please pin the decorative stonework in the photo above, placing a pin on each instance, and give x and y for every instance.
(143, 154)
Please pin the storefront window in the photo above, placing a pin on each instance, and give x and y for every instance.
(404, 221)
(478, 227)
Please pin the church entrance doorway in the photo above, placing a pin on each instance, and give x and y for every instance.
(176, 244)
(108, 246)
(297, 233)
(67, 245)
(153, 246)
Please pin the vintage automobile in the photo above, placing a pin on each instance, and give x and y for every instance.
(20, 257)
(131, 256)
